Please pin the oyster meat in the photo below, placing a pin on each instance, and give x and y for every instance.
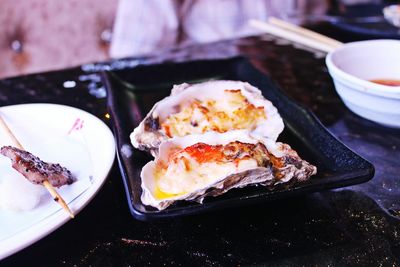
(219, 106)
(199, 165)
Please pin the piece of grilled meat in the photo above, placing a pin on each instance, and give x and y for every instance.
(36, 170)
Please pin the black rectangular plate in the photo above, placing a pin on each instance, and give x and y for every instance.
(132, 93)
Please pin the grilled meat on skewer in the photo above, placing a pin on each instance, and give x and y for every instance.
(36, 170)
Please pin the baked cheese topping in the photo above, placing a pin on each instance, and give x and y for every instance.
(200, 165)
(233, 112)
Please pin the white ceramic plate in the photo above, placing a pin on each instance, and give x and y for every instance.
(69, 136)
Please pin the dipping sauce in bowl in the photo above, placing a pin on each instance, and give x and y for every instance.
(361, 72)
(388, 82)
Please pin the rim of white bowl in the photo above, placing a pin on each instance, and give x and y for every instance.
(369, 87)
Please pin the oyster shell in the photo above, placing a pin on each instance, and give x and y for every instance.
(195, 166)
(219, 106)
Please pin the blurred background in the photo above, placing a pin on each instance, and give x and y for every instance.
(42, 35)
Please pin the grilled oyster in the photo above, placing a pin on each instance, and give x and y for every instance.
(195, 166)
(219, 106)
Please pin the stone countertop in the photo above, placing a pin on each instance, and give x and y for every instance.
(357, 225)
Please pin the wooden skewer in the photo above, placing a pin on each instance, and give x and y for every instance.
(9, 133)
(56, 196)
(293, 36)
(46, 183)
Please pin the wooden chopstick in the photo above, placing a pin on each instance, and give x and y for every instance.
(303, 31)
(46, 183)
(296, 34)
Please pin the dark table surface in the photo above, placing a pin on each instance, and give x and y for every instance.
(353, 226)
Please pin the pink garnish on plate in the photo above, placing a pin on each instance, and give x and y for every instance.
(78, 125)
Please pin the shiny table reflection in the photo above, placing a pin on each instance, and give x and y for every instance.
(357, 225)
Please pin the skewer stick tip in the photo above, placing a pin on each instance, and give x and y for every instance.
(58, 198)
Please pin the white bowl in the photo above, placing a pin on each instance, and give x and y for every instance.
(354, 64)
(392, 14)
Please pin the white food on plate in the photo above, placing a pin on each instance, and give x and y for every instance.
(16, 193)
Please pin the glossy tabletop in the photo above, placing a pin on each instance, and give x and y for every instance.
(357, 225)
